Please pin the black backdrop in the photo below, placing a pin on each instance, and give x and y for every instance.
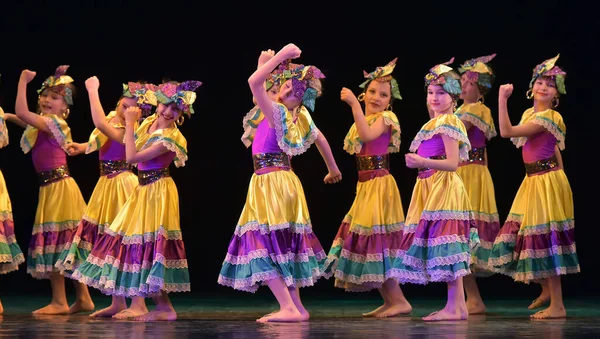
(218, 44)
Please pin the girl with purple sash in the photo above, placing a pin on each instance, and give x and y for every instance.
(476, 81)
(116, 183)
(439, 229)
(537, 241)
(365, 253)
(273, 243)
(142, 253)
(60, 203)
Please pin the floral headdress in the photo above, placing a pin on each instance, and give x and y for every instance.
(181, 94)
(143, 93)
(58, 82)
(478, 71)
(300, 75)
(549, 69)
(383, 74)
(440, 75)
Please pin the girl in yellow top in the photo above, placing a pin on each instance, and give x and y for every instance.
(366, 250)
(60, 203)
(476, 81)
(537, 241)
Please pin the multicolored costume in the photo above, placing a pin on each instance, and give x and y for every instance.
(273, 237)
(439, 229)
(538, 238)
(116, 184)
(142, 252)
(366, 250)
(60, 203)
(474, 171)
(10, 252)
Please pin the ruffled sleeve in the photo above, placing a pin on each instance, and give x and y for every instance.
(58, 128)
(294, 137)
(171, 138)
(480, 116)
(550, 119)
(446, 124)
(353, 144)
(250, 123)
(97, 139)
(3, 130)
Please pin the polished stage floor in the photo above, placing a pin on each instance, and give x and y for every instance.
(233, 317)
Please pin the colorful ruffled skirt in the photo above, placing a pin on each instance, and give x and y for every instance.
(108, 197)
(366, 250)
(10, 252)
(538, 238)
(142, 252)
(480, 189)
(439, 231)
(273, 238)
(59, 210)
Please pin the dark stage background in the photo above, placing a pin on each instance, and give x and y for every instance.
(218, 43)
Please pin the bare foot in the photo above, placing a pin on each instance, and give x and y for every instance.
(540, 301)
(550, 313)
(131, 312)
(53, 309)
(376, 311)
(158, 315)
(395, 309)
(282, 316)
(448, 314)
(1, 308)
(81, 306)
(108, 311)
(475, 307)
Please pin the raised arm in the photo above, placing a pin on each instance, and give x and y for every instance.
(21, 107)
(257, 79)
(334, 174)
(98, 116)
(507, 130)
(131, 153)
(366, 133)
(10, 117)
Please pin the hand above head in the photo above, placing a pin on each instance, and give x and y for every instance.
(290, 51)
(413, 160)
(27, 75)
(505, 91)
(92, 84)
(265, 56)
(348, 97)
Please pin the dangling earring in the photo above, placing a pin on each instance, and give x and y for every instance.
(481, 100)
(555, 102)
(389, 107)
(529, 94)
(361, 97)
(180, 120)
(66, 113)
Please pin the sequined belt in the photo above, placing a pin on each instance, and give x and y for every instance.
(113, 167)
(264, 160)
(150, 176)
(476, 156)
(372, 162)
(53, 175)
(426, 171)
(541, 165)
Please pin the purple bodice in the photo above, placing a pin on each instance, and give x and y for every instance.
(432, 147)
(265, 139)
(538, 147)
(476, 137)
(112, 150)
(378, 146)
(47, 153)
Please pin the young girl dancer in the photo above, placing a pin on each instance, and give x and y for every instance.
(60, 203)
(366, 250)
(537, 241)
